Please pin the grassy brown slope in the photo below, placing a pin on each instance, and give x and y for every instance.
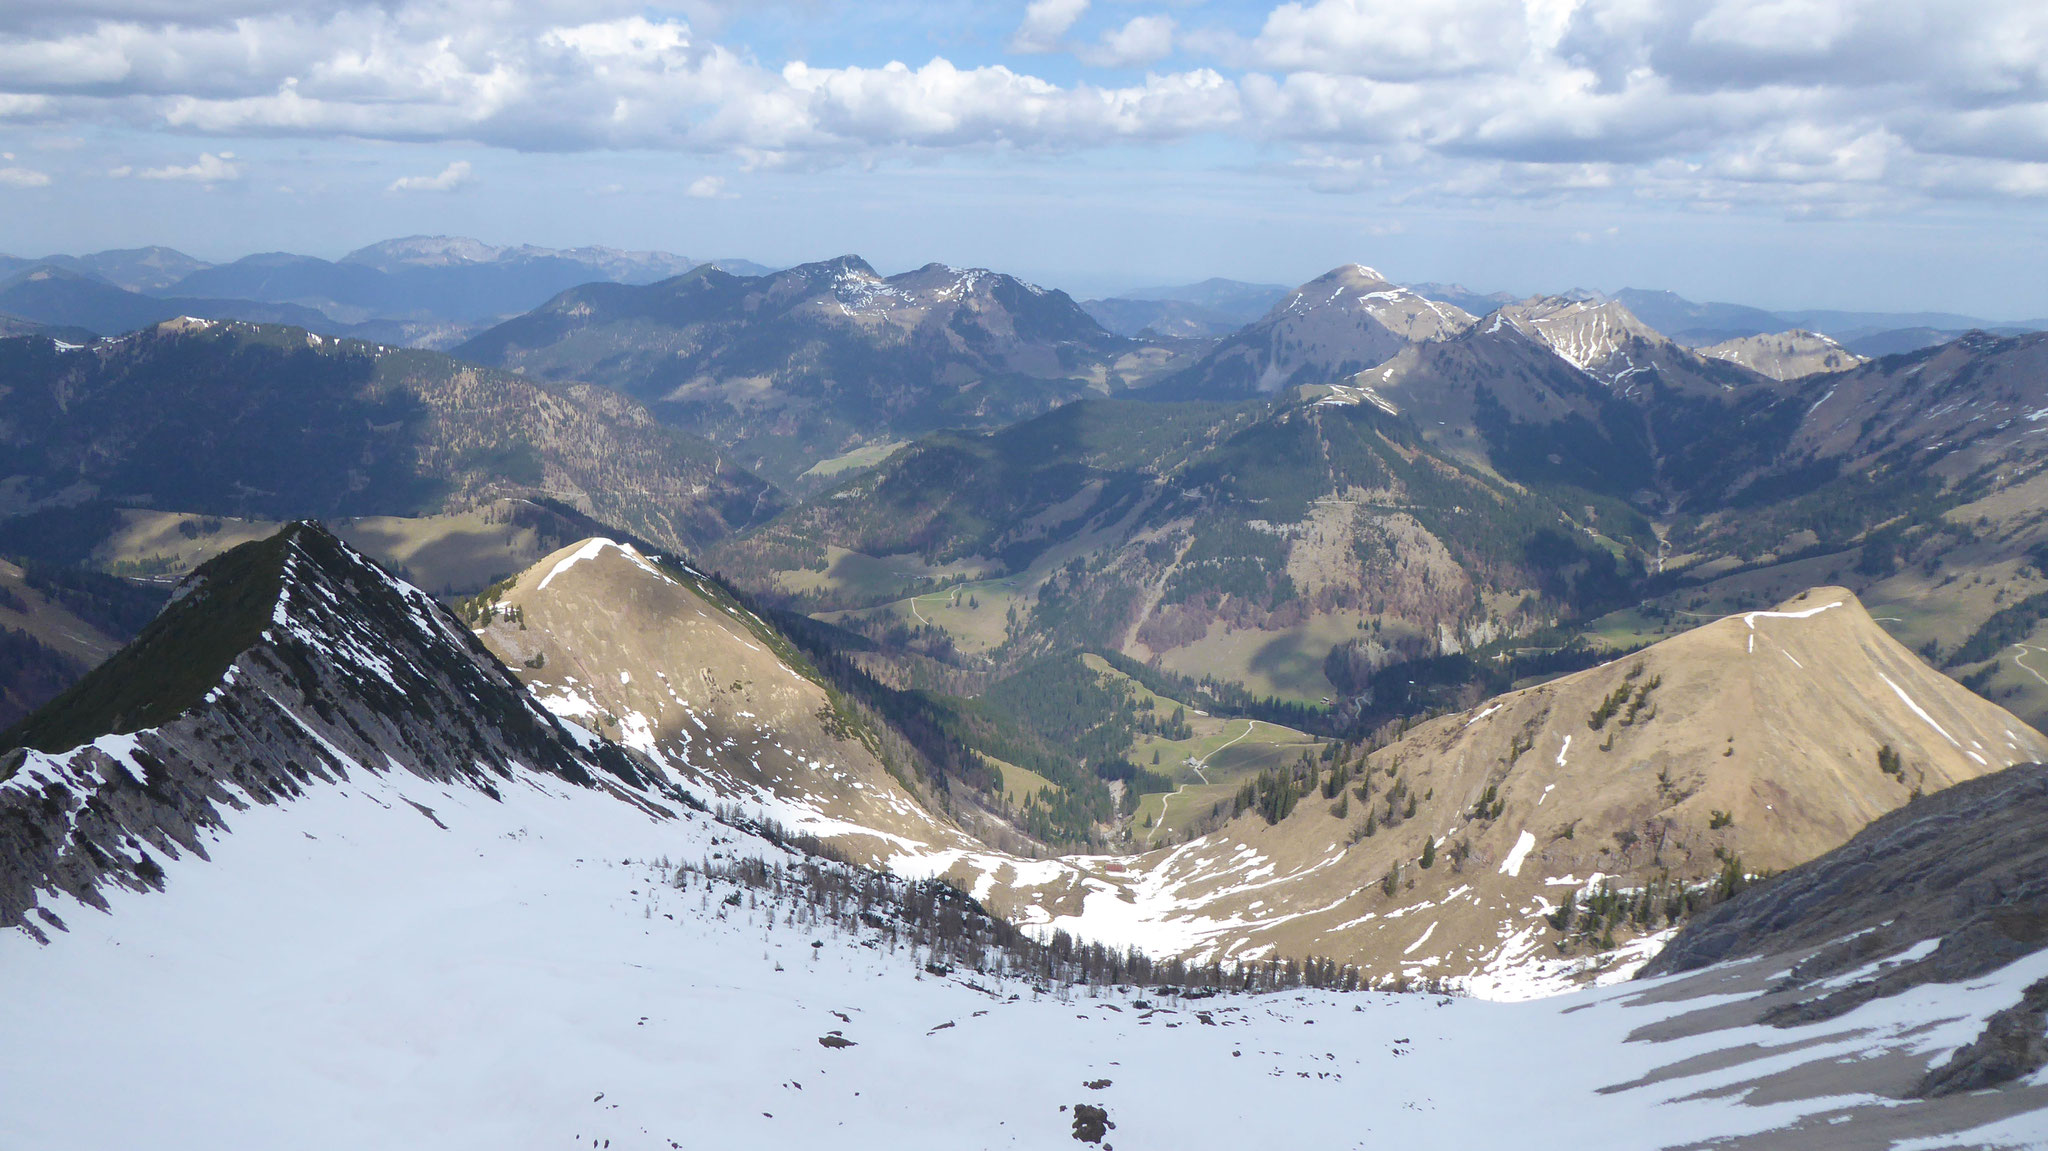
(664, 663)
(1766, 726)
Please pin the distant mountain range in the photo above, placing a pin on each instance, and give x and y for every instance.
(1868, 334)
(804, 365)
(437, 291)
(425, 290)
(1215, 308)
(50, 296)
(1362, 476)
(1210, 309)
(153, 269)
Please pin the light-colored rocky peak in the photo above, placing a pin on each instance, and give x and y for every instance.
(1327, 330)
(1356, 288)
(426, 252)
(1598, 336)
(943, 283)
(1786, 355)
(1592, 333)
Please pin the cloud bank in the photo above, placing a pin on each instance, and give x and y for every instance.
(1838, 106)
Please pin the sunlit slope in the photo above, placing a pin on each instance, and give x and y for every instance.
(1756, 738)
(659, 661)
(1753, 743)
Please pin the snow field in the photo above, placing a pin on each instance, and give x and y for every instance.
(346, 974)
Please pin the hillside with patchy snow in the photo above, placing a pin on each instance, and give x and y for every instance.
(1444, 856)
(663, 662)
(1337, 324)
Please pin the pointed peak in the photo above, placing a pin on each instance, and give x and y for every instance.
(1352, 275)
(216, 613)
(601, 553)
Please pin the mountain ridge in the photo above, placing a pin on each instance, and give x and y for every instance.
(817, 360)
(368, 430)
(280, 665)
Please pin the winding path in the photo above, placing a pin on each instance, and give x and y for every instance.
(2021, 660)
(1164, 804)
(1204, 761)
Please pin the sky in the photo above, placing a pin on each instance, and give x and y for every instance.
(1883, 154)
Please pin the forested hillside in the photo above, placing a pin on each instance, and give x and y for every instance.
(276, 423)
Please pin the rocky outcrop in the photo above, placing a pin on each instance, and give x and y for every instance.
(1965, 870)
(1969, 855)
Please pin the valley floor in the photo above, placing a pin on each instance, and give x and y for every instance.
(392, 963)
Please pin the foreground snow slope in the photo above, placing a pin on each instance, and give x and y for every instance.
(349, 972)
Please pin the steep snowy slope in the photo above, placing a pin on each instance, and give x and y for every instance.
(1594, 335)
(1603, 339)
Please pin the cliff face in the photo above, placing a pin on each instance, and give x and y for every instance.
(283, 665)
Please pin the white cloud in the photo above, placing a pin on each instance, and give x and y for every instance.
(1393, 39)
(455, 175)
(15, 177)
(1837, 101)
(706, 187)
(635, 39)
(1142, 40)
(1045, 23)
(14, 106)
(210, 168)
(1789, 27)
